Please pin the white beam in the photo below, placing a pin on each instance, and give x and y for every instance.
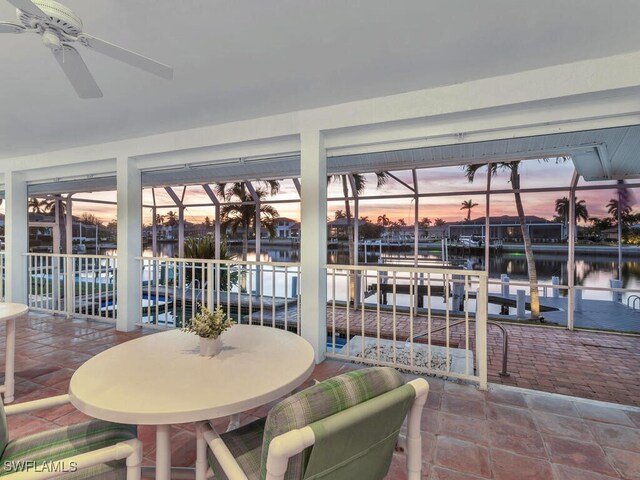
(16, 238)
(313, 245)
(129, 245)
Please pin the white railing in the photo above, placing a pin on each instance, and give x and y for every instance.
(74, 285)
(2, 276)
(416, 319)
(257, 293)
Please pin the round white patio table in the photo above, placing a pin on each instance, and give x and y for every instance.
(161, 379)
(9, 312)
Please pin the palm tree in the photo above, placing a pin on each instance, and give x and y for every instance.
(37, 206)
(159, 219)
(468, 205)
(618, 210)
(49, 206)
(242, 215)
(359, 183)
(384, 220)
(439, 222)
(171, 219)
(424, 224)
(562, 209)
(338, 214)
(513, 169)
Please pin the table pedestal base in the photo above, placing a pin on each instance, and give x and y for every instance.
(10, 362)
(163, 452)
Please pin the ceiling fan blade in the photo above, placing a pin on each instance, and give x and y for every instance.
(126, 56)
(28, 6)
(77, 72)
(6, 27)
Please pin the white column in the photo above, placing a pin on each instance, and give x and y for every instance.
(16, 238)
(69, 225)
(313, 245)
(129, 244)
(571, 265)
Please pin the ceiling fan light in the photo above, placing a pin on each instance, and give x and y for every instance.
(51, 40)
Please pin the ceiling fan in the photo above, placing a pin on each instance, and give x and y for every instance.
(59, 27)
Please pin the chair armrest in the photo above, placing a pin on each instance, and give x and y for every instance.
(220, 451)
(34, 405)
(414, 437)
(130, 449)
(285, 446)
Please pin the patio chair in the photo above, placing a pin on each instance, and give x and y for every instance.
(344, 428)
(93, 449)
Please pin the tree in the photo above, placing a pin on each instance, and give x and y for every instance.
(468, 205)
(425, 222)
(171, 219)
(90, 219)
(38, 206)
(241, 215)
(369, 230)
(439, 222)
(358, 185)
(338, 214)
(618, 210)
(207, 223)
(112, 229)
(384, 220)
(562, 209)
(50, 206)
(159, 219)
(514, 179)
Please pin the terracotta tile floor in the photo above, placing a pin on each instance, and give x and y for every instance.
(505, 433)
(599, 366)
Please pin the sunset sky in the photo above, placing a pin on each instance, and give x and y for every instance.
(434, 180)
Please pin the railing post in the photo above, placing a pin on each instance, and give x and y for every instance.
(616, 295)
(69, 286)
(504, 278)
(521, 303)
(481, 331)
(210, 282)
(556, 291)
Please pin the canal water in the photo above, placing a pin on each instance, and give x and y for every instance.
(591, 270)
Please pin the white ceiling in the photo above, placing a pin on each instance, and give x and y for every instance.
(241, 59)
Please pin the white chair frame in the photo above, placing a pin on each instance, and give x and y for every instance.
(295, 441)
(131, 450)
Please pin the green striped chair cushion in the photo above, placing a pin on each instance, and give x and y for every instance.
(4, 429)
(250, 444)
(38, 450)
(320, 401)
(245, 444)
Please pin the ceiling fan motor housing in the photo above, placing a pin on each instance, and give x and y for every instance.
(61, 19)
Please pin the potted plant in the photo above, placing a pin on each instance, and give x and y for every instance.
(209, 325)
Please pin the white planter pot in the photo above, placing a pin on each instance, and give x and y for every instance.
(210, 347)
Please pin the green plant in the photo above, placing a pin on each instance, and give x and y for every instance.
(208, 324)
(204, 248)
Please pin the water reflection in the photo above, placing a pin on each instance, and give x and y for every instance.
(590, 270)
